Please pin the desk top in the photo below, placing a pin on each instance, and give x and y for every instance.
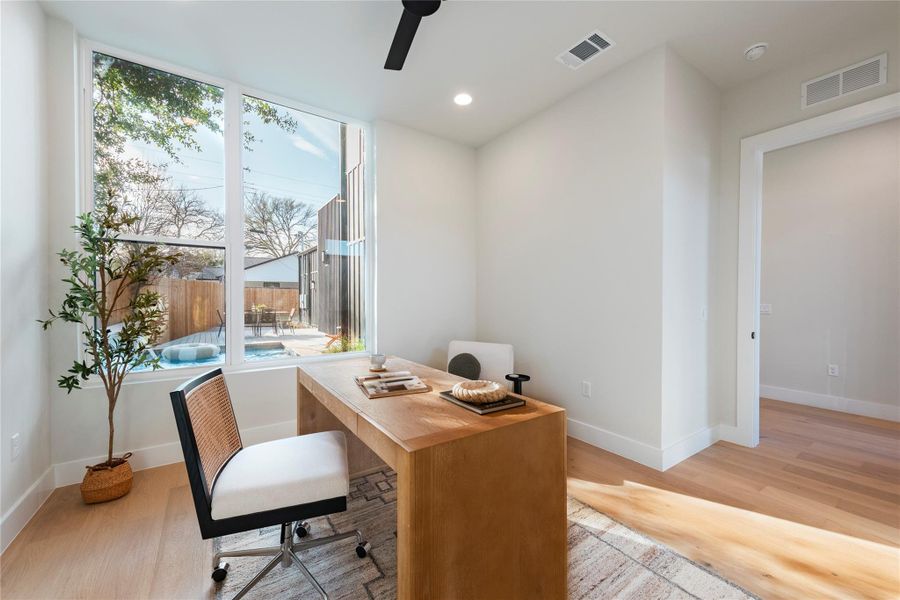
(413, 421)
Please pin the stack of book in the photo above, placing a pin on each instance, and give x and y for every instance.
(396, 383)
(484, 408)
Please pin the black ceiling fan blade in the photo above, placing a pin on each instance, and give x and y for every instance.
(403, 38)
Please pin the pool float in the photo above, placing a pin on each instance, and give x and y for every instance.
(188, 352)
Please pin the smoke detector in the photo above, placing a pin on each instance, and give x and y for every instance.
(756, 51)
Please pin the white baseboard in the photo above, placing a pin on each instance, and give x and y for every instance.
(24, 508)
(631, 449)
(640, 452)
(71, 472)
(730, 433)
(685, 448)
(838, 403)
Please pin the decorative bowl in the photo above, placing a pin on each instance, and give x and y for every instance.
(479, 391)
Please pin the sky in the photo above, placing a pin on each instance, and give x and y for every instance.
(304, 165)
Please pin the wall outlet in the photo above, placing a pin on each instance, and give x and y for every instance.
(586, 389)
(15, 443)
(833, 371)
(765, 309)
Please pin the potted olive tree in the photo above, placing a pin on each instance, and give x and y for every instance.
(120, 320)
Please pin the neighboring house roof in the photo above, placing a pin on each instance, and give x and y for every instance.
(282, 269)
(211, 273)
(252, 261)
(257, 268)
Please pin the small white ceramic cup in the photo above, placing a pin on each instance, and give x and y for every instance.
(376, 361)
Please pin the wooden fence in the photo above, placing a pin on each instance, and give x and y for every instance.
(193, 304)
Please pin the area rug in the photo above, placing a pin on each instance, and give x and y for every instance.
(606, 558)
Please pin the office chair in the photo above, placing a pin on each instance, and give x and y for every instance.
(235, 489)
(483, 360)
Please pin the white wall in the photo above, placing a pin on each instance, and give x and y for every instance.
(264, 404)
(24, 393)
(831, 271)
(760, 105)
(570, 251)
(425, 195)
(690, 179)
(593, 255)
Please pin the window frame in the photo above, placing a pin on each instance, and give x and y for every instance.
(233, 241)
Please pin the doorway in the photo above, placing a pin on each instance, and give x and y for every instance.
(830, 273)
(753, 150)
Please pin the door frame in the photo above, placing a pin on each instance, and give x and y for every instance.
(753, 149)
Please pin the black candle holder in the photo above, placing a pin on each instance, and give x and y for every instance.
(517, 379)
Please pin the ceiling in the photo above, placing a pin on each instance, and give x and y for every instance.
(331, 54)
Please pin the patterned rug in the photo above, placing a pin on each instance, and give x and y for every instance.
(606, 558)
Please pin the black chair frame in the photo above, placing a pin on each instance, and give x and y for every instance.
(290, 518)
(209, 527)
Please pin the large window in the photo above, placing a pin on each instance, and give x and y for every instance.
(268, 221)
(304, 231)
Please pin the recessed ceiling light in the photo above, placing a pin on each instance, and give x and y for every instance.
(463, 99)
(755, 51)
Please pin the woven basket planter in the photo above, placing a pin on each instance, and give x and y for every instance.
(103, 483)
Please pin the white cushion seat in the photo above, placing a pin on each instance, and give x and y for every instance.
(287, 472)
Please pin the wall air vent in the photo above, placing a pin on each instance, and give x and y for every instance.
(586, 49)
(861, 76)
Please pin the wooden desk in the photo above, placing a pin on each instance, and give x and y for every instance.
(481, 503)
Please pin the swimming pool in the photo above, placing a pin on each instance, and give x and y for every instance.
(263, 351)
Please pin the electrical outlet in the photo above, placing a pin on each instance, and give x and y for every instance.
(833, 371)
(586, 389)
(765, 309)
(16, 445)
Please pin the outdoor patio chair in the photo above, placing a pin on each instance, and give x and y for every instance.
(251, 320)
(286, 320)
(267, 318)
(333, 338)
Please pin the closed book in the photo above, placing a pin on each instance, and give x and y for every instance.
(486, 408)
(393, 386)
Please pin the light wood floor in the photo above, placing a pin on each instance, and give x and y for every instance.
(813, 512)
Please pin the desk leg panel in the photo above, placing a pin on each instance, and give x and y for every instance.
(313, 417)
(485, 516)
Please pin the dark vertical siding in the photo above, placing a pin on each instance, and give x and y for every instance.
(332, 275)
(356, 233)
(331, 287)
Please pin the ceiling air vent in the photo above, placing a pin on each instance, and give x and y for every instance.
(588, 48)
(861, 76)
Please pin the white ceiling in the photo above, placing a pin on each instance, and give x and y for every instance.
(331, 54)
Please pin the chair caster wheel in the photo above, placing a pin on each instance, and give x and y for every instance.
(302, 530)
(220, 572)
(362, 550)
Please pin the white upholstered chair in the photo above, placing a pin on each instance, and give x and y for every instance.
(484, 360)
(282, 482)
